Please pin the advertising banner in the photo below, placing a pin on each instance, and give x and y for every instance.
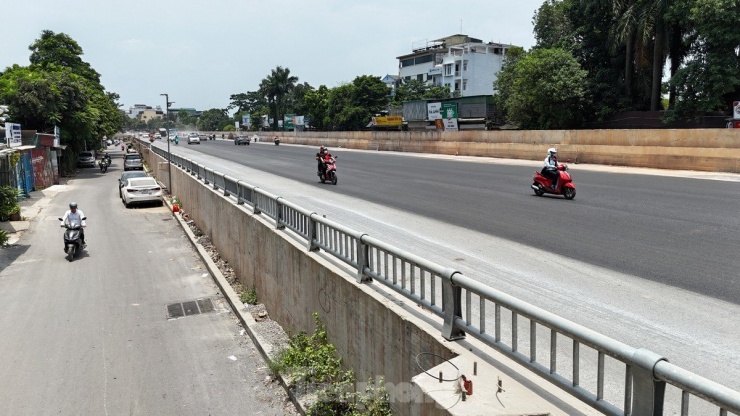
(299, 121)
(736, 110)
(288, 121)
(246, 120)
(13, 134)
(433, 111)
(56, 136)
(388, 121)
(449, 114)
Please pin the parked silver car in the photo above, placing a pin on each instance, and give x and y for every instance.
(86, 160)
(132, 161)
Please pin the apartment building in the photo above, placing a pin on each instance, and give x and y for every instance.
(464, 64)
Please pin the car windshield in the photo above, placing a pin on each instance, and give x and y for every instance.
(133, 157)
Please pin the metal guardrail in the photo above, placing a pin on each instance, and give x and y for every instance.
(466, 307)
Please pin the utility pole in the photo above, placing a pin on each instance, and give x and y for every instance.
(169, 156)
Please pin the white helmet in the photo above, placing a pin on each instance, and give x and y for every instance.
(552, 151)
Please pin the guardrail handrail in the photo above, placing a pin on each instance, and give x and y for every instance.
(417, 279)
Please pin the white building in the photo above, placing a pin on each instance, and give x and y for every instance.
(459, 62)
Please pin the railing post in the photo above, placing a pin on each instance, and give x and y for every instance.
(279, 214)
(647, 391)
(452, 307)
(215, 177)
(239, 193)
(313, 228)
(363, 260)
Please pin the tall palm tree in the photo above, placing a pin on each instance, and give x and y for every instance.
(275, 89)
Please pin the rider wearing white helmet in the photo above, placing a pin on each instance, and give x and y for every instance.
(550, 170)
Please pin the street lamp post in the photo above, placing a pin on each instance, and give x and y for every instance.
(169, 157)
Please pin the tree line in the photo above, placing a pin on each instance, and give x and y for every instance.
(59, 89)
(594, 58)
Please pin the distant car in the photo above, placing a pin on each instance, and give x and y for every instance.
(86, 160)
(242, 140)
(157, 136)
(125, 176)
(132, 161)
(193, 138)
(141, 190)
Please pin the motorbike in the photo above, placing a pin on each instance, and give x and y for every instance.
(565, 186)
(277, 141)
(330, 173)
(103, 165)
(72, 243)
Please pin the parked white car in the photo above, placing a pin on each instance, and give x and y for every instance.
(141, 190)
(193, 138)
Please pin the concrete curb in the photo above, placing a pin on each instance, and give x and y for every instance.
(236, 305)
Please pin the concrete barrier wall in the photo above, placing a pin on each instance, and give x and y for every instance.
(716, 150)
(374, 336)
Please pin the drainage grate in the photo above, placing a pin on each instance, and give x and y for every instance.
(191, 307)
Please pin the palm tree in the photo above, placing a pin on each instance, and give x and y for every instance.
(275, 88)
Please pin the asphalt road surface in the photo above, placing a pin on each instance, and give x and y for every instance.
(93, 337)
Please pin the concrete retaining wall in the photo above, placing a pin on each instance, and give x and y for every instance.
(716, 150)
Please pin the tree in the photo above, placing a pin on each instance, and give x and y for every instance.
(61, 50)
(350, 106)
(213, 119)
(275, 88)
(543, 89)
(317, 107)
(711, 80)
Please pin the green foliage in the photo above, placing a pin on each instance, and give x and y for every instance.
(248, 295)
(418, 90)
(4, 237)
(8, 202)
(60, 89)
(229, 127)
(543, 89)
(313, 360)
(213, 119)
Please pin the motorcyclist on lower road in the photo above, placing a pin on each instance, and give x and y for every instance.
(74, 215)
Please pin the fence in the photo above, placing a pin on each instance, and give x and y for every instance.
(469, 307)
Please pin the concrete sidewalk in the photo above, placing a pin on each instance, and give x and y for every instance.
(30, 209)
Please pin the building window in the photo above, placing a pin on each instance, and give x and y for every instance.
(420, 77)
(465, 84)
(448, 69)
(465, 65)
(457, 85)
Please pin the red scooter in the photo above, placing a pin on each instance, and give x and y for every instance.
(565, 187)
(330, 173)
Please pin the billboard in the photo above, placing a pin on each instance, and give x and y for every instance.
(449, 115)
(288, 121)
(388, 121)
(13, 134)
(246, 120)
(433, 111)
(736, 110)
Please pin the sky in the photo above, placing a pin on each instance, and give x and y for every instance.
(202, 52)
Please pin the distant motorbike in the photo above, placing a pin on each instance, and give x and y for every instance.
(565, 187)
(330, 173)
(277, 141)
(72, 243)
(103, 165)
